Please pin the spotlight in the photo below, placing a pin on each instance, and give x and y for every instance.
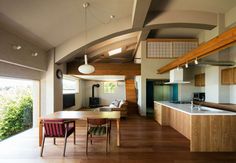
(34, 54)
(186, 65)
(16, 47)
(196, 61)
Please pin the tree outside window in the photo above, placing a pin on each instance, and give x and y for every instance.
(16, 106)
(109, 87)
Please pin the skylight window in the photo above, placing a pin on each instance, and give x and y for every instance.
(115, 51)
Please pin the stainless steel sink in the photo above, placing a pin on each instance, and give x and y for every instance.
(206, 109)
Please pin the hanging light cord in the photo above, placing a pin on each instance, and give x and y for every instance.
(85, 22)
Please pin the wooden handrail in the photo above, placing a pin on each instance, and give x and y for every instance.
(224, 40)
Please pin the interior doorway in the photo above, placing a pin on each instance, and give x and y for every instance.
(157, 90)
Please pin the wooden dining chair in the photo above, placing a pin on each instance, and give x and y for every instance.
(58, 129)
(98, 129)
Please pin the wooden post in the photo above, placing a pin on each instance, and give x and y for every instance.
(40, 131)
(118, 131)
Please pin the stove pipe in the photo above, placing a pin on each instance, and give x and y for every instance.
(95, 85)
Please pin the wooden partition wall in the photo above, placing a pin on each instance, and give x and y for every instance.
(131, 96)
(126, 69)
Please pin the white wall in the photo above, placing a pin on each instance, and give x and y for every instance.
(51, 87)
(105, 98)
(47, 88)
(23, 56)
(212, 80)
(149, 69)
(232, 88)
(215, 92)
(230, 17)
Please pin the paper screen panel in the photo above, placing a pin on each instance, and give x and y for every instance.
(181, 48)
(159, 50)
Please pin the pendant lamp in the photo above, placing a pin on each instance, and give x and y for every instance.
(86, 68)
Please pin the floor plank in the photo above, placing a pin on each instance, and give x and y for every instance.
(142, 140)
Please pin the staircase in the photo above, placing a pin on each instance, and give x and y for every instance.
(131, 96)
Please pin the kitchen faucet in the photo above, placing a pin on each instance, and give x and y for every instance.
(194, 106)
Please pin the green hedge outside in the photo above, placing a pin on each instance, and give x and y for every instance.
(16, 117)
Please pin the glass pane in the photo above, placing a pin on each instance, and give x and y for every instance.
(69, 86)
(16, 106)
(109, 87)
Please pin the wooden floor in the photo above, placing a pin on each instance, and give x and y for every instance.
(142, 141)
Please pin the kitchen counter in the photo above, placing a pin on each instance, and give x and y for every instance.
(186, 108)
(208, 129)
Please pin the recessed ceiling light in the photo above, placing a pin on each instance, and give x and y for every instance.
(16, 47)
(34, 54)
(112, 16)
(115, 51)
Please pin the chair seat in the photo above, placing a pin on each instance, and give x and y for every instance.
(98, 130)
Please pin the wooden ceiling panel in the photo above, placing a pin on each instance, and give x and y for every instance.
(129, 69)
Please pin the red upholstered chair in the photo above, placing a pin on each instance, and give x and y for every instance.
(58, 129)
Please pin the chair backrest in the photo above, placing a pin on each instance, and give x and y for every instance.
(100, 121)
(54, 128)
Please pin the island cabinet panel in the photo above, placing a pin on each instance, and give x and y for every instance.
(213, 133)
(166, 116)
(161, 114)
(180, 121)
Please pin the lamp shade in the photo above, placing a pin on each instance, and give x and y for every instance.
(86, 69)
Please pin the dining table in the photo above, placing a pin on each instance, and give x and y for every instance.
(82, 115)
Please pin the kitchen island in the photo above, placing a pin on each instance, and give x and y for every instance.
(208, 129)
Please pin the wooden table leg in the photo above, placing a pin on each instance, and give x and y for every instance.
(40, 132)
(118, 132)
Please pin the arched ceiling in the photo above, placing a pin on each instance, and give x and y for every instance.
(59, 24)
(55, 21)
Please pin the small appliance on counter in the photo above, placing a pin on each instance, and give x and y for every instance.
(199, 96)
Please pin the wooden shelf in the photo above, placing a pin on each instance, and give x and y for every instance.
(200, 80)
(227, 76)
